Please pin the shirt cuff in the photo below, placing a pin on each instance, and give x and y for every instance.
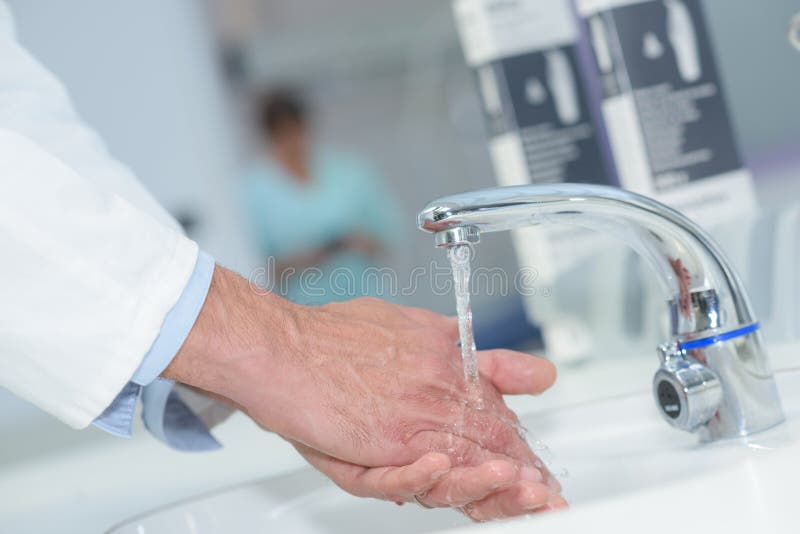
(178, 323)
(117, 419)
(171, 421)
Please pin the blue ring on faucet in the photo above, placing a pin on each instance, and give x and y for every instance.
(706, 341)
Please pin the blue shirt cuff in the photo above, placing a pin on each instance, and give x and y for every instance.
(170, 420)
(178, 323)
(117, 419)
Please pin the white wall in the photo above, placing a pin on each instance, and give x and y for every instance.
(760, 70)
(144, 75)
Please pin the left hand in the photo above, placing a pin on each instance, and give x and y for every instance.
(491, 490)
(494, 489)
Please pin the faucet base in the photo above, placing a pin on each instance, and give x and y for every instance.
(750, 402)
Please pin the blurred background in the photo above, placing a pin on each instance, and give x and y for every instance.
(170, 86)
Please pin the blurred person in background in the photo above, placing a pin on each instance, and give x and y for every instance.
(315, 207)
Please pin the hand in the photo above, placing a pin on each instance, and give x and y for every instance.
(491, 490)
(367, 383)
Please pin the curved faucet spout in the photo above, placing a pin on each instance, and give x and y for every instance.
(685, 259)
(706, 298)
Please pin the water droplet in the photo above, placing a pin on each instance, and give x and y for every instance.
(539, 446)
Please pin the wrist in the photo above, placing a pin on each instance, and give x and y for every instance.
(235, 328)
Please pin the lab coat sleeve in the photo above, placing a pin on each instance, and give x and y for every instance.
(91, 265)
(87, 280)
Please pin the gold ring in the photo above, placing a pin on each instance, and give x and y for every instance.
(419, 502)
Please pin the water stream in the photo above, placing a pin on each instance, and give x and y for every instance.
(460, 257)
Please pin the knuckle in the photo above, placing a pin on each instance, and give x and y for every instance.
(502, 436)
(418, 487)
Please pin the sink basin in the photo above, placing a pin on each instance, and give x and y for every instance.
(618, 452)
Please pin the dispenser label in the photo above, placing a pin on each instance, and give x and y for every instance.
(664, 108)
(524, 57)
(538, 98)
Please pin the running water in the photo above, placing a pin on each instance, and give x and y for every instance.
(460, 257)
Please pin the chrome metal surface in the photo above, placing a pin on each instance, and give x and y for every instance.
(794, 31)
(704, 294)
(687, 392)
(705, 312)
(460, 235)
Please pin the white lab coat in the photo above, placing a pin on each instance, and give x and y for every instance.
(90, 264)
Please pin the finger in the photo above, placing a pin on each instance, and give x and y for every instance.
(524, 497)
(466, 452)
(344, 474)
(402, 484)
(515, 373)
(390, 483)
(556, 502)
(463, 485)
(551, 481)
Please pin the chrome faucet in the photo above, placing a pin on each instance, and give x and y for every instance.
(715, 378)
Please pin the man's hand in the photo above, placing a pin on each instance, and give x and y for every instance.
(491, 490)
(370, 385)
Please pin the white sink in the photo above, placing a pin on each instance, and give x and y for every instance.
(626, 466)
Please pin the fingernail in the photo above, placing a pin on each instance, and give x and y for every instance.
(554, 485)
(436, 475)
(530, 473)
(557, 504)
(534, 500)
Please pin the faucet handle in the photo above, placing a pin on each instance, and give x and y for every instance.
(687, 392)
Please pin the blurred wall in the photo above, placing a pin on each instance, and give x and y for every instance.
(144, 74)
(760, 69)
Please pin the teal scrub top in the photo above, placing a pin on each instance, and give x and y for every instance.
(344, 197)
